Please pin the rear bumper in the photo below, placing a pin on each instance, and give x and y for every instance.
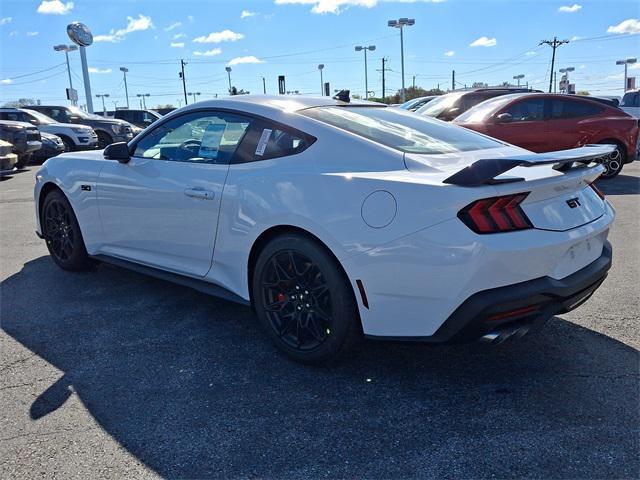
(529, 303)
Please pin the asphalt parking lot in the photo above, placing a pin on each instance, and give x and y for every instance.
(113, 374)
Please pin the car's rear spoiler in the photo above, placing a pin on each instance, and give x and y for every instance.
(482, 172)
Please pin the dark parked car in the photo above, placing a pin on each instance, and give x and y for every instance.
(449, 106)
(109, 130)
(139, 118)
(24, 137)
(543, 122)
(52, 145)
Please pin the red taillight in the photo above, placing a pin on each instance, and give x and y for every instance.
(496, 215)
(597, 190)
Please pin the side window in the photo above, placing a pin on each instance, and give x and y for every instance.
(204, 137)
(265, 141)
(59, 114)
(563, 109)
(531, 110)
(15, 116)
(631, 99)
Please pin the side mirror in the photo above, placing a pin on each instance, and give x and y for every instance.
(117, 151)
(504, 118)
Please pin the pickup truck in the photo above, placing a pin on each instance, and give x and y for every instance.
(24, 137)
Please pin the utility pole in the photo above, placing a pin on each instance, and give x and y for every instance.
(453, 79)
(264, 86)
(555, 43)
(383, 70)
(321, 67)
(184, 82)
(414, 83)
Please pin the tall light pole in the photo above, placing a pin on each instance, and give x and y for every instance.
(566, 77)
(124, 71)
(626, 62)
(364, 49)
(142, 95)
(518, 78)
(321, 67)
(103, 96)
(228, 69)
(401, 23)
(66, 49)
(194, 95)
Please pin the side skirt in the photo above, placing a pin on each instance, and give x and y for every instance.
(196, 284)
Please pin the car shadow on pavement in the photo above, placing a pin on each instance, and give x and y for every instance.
(620, 185)
(189, 385)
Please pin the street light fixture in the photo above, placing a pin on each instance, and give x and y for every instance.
(401, 23)
(566, 77)
(124, 71)
(626, 62)
(366, 80)
(321, 67)
(66, 49)
(228, 69)
(518, 78)
(142, 95)
(194, 95)
(103, 96)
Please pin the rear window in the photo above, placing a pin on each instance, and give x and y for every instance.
(561, 109)
(402, 130)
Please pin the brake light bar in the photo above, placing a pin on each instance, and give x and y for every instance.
(597, 190)
(496, 214)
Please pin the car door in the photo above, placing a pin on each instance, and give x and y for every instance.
(525, 125)
(567, 128)
(161, 208)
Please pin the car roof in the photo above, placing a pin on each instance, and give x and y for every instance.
(280, 102)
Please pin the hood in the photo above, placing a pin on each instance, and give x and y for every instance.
(66, 125)
(49, 136)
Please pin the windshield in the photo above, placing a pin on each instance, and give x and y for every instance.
(438, 105)
(478, 113)
(42, 118)
(82, 114)
(402, 130)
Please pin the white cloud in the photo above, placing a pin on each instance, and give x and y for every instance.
(572, 9)
(5, 20)
(218, 37)
(133, 25)
(247, 14)
(173, 26)
(247, 59)
(337, 6)
(6, 81)
(574, 38)
(619, 76)
(179, 35)
(582, 67)
(484, 42)
(208, 53)
(634, 66)
(13, 33)
(177, 44)
(630, 26)
(54, 7)
(32, 34)
(99, 70)
(190, 18)
(530, 53)
(450, 53)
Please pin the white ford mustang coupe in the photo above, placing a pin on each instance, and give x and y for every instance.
(333, 219)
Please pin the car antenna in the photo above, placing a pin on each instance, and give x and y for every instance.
(343, 96)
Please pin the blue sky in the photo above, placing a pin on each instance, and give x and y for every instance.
(488, 41)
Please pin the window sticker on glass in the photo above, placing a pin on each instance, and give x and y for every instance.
(211, 140)
(262, 143)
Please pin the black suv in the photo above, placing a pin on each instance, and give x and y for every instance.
(139, 118)
(449, 106)
(109, 130)
(24, 137)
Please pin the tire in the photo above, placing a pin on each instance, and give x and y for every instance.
(304, 301)
(62, 234)
(104, 139)
(613, 163)
(69, 146)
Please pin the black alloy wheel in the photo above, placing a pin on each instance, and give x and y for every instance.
(297, 300)
(304, 300)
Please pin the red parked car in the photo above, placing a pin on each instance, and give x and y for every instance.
(543, 122)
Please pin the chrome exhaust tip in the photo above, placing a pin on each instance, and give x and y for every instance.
(499, 336)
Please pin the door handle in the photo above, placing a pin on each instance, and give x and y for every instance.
(199, 193)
